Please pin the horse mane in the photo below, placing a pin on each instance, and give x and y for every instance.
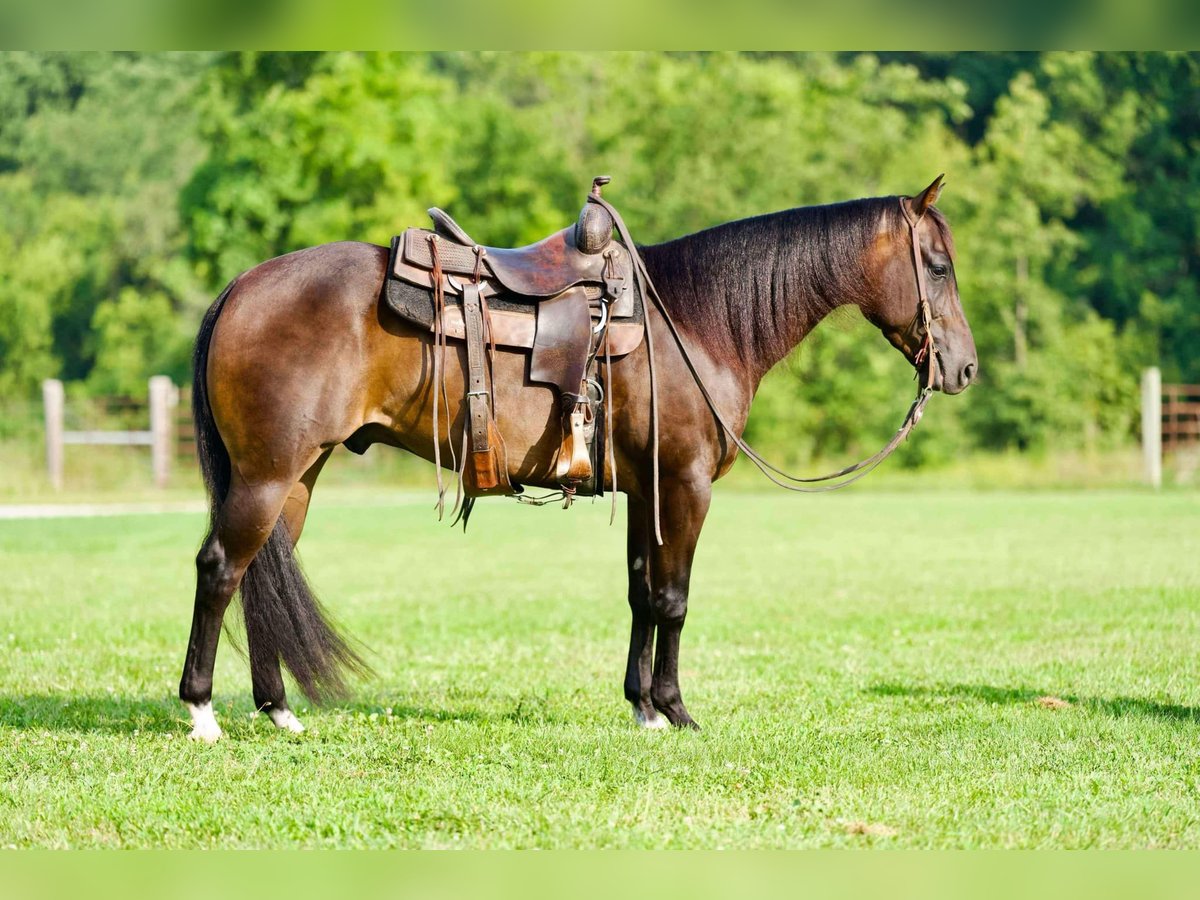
(749, 289)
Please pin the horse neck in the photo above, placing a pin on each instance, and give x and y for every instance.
(753, 289)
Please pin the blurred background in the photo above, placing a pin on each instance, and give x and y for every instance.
(135, 185)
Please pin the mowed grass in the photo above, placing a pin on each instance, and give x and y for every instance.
(870, 669)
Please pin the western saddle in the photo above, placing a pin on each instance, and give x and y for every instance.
(569, 299)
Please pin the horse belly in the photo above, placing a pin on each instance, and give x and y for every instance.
(404, 388)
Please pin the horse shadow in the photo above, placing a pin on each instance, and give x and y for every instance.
(104, 713)
(1114, 706)
(114, 714)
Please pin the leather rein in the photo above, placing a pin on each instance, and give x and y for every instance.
(927, 353)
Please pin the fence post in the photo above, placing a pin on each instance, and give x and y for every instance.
(52, 403)
(1152, 425)
(163, 397)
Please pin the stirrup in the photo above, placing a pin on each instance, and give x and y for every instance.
(574, 460)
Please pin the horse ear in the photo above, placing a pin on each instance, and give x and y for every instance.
(927, 197)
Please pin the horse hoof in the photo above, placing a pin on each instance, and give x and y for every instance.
(204, 723)
(285, 719)
(679, 719)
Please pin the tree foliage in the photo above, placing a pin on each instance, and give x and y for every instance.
(136, 185)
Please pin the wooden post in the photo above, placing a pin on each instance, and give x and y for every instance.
(1152, 425)
(163, 397)
(52, 402)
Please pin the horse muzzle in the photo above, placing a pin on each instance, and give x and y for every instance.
(955, 378)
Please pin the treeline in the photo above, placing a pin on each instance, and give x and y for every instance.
(134, 186)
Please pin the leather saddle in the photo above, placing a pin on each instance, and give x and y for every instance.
(568, 298)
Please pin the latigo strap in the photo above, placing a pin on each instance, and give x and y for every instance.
(488, 469)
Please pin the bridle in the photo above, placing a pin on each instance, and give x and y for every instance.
(924, 316)
(927, 353)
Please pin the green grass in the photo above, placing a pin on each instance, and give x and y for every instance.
(863, 662)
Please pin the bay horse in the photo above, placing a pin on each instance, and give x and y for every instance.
(299, 355)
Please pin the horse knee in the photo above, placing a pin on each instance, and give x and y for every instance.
(670, 605)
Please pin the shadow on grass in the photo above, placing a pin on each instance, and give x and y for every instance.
(1113, 706)
(107, 713)
(521, 710)
(126, 715)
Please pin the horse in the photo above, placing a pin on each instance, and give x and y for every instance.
(299, 355)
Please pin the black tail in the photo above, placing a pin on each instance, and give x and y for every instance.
(210, 449)
(284, 620)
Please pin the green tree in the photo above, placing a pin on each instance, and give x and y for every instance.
(90, 169)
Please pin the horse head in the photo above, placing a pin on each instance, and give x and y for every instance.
(914, 256)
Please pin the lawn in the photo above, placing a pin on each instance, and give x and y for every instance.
(870, 669)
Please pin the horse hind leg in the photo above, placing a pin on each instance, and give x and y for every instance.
(243, 524)
(266, 675)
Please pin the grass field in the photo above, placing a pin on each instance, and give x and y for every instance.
(870, 669)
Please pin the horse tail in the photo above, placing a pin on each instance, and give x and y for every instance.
(285, 623)
(210, 449)
(284, 620)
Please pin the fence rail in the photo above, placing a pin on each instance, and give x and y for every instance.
(162, 437)
(185, 427)
(1180, 416)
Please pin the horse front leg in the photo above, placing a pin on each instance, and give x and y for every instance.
(684, 506)
(641, 634)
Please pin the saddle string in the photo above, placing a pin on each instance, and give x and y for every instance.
(459, 507)
(774, 473)
(439, 302)
(455, 462)
(608, 426)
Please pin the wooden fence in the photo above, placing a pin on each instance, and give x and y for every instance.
(1170, 422)
(169, 428)
(1180, 416)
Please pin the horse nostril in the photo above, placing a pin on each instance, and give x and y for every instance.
(968, 373)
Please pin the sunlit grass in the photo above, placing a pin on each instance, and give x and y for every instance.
(868, 668)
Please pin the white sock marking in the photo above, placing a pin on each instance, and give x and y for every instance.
(204, 723)
(655, 724)
(283, 718)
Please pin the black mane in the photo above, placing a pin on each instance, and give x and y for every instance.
(749, 289)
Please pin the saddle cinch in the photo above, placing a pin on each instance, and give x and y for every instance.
(570, 299)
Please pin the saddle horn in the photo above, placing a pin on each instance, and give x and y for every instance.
(594, 230)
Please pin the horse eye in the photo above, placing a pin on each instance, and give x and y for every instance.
(939, 271)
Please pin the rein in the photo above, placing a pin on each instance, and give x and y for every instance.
(927, 353)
